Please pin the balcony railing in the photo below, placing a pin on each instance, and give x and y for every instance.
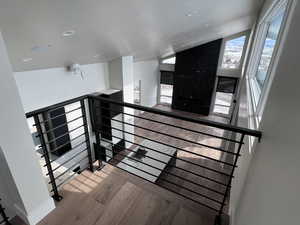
(187, 156)
(4, 219)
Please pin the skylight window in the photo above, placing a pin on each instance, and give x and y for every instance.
(171, 60)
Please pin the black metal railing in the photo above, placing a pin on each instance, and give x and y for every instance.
(182, 154)
(62, 130)
(160, 148)
(4, 219)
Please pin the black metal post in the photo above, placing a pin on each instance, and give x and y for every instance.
(87, 136)
(218, 220)
(56, 195)
(5, 218)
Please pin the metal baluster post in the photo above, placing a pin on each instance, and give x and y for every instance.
(218, 220)
(87, 136)
(3, 214)
(56, 195)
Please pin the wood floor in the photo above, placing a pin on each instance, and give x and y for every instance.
(112, 197)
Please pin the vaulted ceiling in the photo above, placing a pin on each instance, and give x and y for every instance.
(106, 29)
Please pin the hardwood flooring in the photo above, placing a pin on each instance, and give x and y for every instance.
(114, 197)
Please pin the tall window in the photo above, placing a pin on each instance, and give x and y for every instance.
(233, 53)
(268, 48)
(166, 87)
(265, 51)
(226, 88)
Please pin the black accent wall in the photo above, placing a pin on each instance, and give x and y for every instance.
(195, 77)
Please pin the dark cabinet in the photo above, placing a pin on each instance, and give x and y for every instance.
(109, 136)
(194, 78)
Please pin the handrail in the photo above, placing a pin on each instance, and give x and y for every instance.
(55, 106)
(210, 123)
(229, 127)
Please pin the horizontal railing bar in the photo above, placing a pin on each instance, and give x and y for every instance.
(204, 167)
(55, 106)
(64, 124)
(55, 117)
(71, 167)
(73, 157)
(183, 160)
(69, 178)
(200, 203)
(219, 125)
(182, 139)
(69, 142)
(64, 134)
(204, 196)
(187, 180)
(76, 146)
(178, 127)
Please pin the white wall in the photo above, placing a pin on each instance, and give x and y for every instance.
(271, 192)
(41, 88)
(22, 185)
(148, 73)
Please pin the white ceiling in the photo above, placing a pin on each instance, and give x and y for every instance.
(108, 29)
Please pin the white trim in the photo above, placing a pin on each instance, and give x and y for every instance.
(233, 72)
(259, 95)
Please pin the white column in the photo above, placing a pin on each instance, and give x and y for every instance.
(22, 184)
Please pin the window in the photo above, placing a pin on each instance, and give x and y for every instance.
(226, 89)
(233, 53)
(266, 43)
(171, 60)
(166, 93)
(137, 92)
(166, 87)
(268, 49)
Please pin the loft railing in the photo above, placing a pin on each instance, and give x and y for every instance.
(184, 155)
(63, 130)
(4, 219)
(194, 174)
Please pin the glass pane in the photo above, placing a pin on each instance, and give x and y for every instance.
(268, 49)
(165, 99)
(223, 103)
(166, 90)
(166, 93)
(169, 60)
(233, 53)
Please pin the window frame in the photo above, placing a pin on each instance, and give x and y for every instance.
(169, 57)
(233, 72)
(257, 94)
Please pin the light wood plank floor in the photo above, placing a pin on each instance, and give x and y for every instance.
(112, 197)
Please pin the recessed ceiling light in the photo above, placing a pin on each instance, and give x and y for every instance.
(27, 60)
(68, 33)
(96, 56)
(189, 14)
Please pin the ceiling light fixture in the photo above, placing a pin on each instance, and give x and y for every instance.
(27, 60)
(68, 33)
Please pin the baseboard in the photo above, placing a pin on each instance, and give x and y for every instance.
(35, 216)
